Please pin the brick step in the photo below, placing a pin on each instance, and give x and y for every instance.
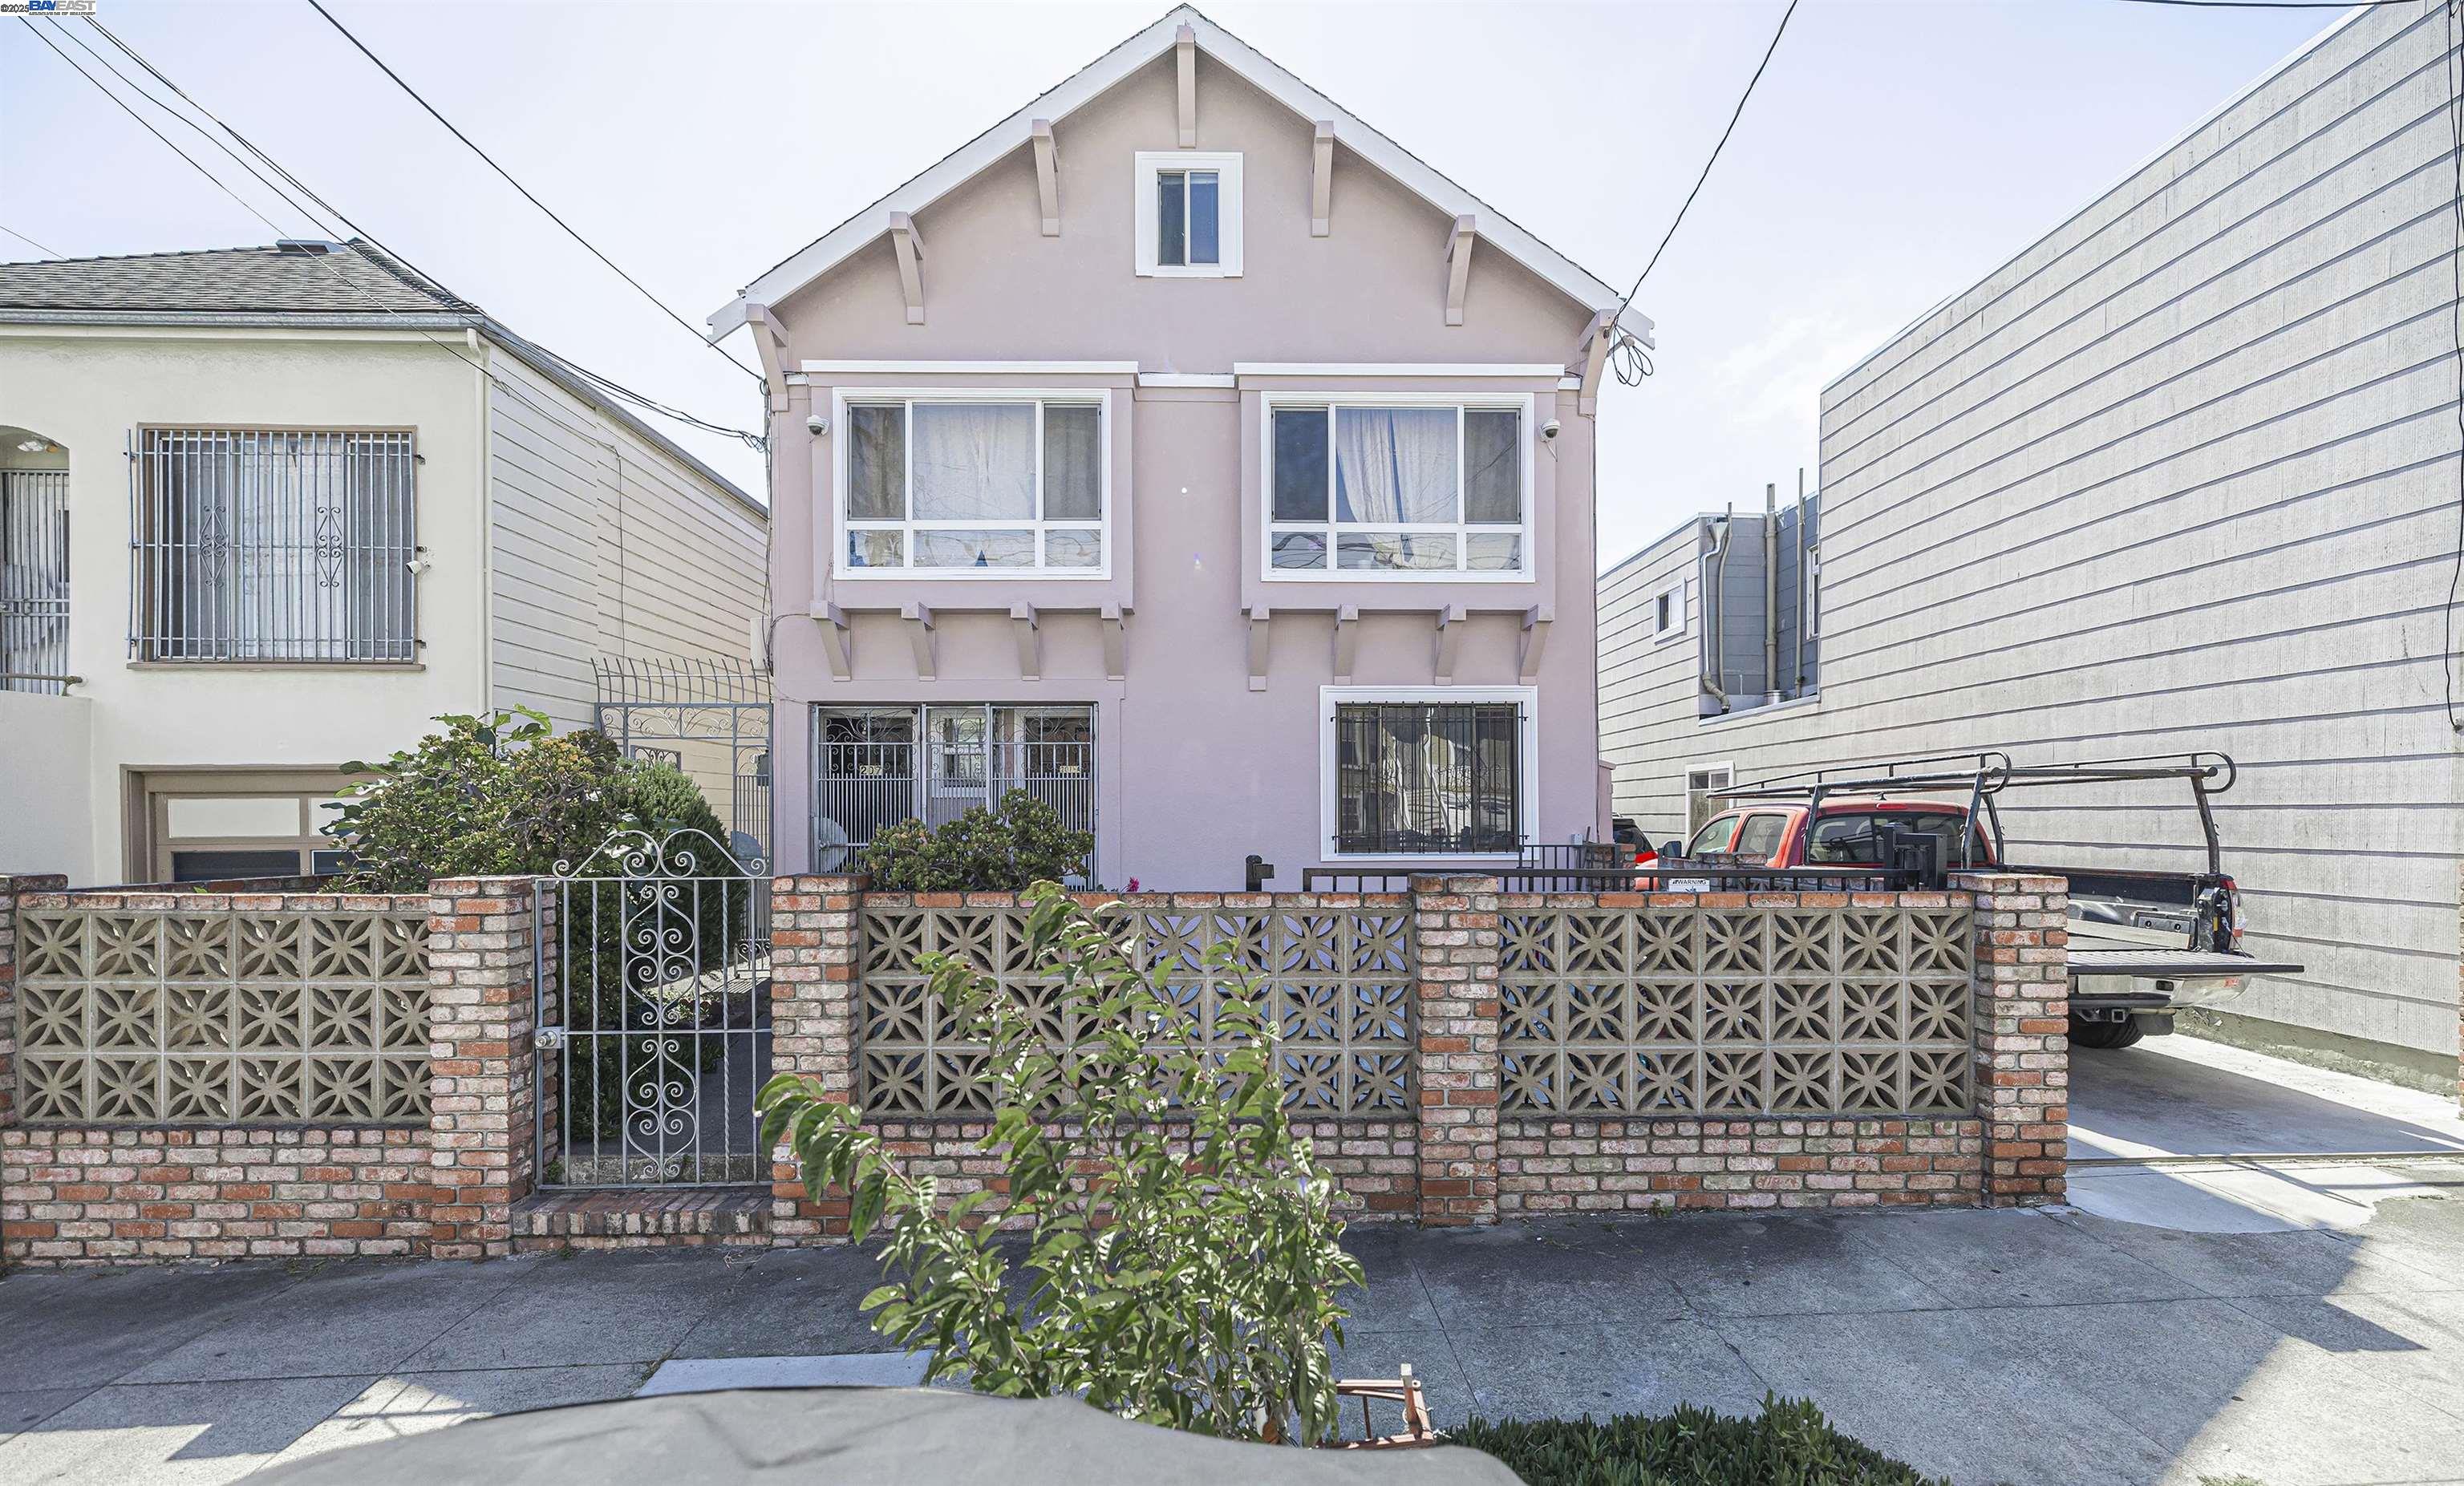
(643, 1218)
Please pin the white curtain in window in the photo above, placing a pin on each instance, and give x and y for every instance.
(1394, 464)
(974, 461)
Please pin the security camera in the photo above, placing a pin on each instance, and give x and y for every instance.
(817, 425)
(1549, 429)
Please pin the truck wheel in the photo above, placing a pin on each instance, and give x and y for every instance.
(2106, 1036)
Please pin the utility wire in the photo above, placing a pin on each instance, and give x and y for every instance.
(279, 231)
(610, 386)
(1634, 366)
(31, 243)
(526, 193)
(2275, 5)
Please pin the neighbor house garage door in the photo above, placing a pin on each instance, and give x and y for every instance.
(200, 827)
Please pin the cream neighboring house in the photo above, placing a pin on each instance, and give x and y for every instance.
(267, 509)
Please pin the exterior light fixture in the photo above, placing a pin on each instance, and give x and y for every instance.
(32, 446)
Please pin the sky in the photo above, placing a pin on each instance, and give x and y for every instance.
(1893, 154)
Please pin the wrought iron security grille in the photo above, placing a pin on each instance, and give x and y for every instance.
(653, 1015)
(1418, 778)
(210, 1016)
(268, 545)
(1338, 981)
(34, 581)
(708, 718)
(875, 766)
(1723, 1012)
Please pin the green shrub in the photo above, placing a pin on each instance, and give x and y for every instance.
(1182, 1262)
(1003, 849)
(506, 795)
(1790, 1445)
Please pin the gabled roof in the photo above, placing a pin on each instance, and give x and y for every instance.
(303, 284)
(996, 144)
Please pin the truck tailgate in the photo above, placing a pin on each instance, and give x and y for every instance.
(2172, 964)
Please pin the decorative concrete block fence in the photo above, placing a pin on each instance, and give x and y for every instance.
(196, 1075)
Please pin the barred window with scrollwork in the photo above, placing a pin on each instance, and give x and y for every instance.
(269, 545)
(1426, 779)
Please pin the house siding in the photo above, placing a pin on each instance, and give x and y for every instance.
(1201, 761)
(602, 544)
(2181, 476)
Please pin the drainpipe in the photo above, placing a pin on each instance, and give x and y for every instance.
(1771, 592)
(1802, 574)
(1715, 572)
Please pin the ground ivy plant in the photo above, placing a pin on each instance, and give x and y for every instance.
(1170, 1250)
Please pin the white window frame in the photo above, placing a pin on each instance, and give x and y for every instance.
(1527, 780)
(1227, 195)
(844, 398)
(1523, 404)
(1676, 629)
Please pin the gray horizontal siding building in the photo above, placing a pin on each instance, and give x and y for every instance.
(2183, 474)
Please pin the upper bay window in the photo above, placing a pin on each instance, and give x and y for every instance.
(974, 484)
(1375, 489)
(1188, 214)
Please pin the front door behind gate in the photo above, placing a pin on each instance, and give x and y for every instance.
(653, 1015)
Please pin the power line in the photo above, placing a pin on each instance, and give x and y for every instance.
(1735, 113)
(608, 385)
(339, 276)
(2275, 5)
(31, 243)
(526, 193)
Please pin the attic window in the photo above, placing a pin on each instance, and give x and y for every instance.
(1188, 214)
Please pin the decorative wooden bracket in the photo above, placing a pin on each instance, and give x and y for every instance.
(838, 639)
(1260, 644)
(1535, 640)
(1459, 267)
(1048, 175)
(1322, 180)
(908, 244)
(920, 636)
(1184, 47)
(1452, 621)
(1030, 642)
(770, 344)
(1347, 639)
(1115, 661)
(1592, 353)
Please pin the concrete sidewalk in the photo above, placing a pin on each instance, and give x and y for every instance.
(1994, 1346)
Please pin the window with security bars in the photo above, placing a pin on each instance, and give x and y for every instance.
(1419, 779)
(274, 545)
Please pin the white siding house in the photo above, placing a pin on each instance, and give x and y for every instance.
(2183, 474)
(266, 510)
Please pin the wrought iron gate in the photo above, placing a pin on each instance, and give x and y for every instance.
(654, 981)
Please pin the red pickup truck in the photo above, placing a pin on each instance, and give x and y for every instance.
(2142, 943)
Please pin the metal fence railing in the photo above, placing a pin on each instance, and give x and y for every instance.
(34, 581)
(271, 545)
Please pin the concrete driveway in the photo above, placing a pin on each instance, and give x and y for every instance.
(1994, 1346)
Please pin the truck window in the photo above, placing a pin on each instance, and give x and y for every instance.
(1713, 837)
(1849, 839)
(1761, 836)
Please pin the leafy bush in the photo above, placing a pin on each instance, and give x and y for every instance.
(1181, 1258)
(507, 796)
(1003, 849)
(1790, 1445)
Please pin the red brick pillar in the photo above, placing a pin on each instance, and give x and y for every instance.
(812, 1027)
(2020, 1018)
(10, 887)
(1455, 944)
(483, 1071)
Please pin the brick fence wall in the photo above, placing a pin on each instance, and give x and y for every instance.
(1464, 1145)
(363, 1164)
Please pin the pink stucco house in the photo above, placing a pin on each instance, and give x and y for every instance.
(1185, 451)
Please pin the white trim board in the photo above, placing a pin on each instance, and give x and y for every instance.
(977, 368)
(1451, 369)
(1016, 131)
